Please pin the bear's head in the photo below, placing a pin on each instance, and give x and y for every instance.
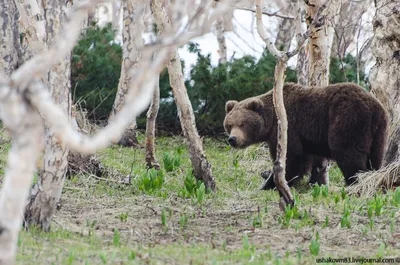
(246, 122)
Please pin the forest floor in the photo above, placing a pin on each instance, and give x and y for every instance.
(169, 219)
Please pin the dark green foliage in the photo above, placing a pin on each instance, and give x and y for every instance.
(95, 71)
(211, 86)
(346, 71)
(171, 161)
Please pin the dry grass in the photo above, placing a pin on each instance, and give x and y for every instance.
(386, 178)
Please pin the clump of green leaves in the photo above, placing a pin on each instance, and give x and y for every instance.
(116, 238)
(396, 197)
(183, 220)
(316, 191)
(152, 180)
(123, 217)
(193, 188)
(345, 221)
(257, 220)
(290, 214)
(375, 206)
(171, 161)
(315, 245)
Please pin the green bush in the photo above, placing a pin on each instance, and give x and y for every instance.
(95, 71)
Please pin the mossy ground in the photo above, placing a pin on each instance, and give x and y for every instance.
(168, 222)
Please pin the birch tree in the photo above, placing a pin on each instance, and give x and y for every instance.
(25, 102)
(320, 40)
(319, 53)
(279, 79)
(133, 27)
(302, 57)
(220, 32)
(46, 192)
(201, 166)
(385, 75)
(8, 36)
(151, 159)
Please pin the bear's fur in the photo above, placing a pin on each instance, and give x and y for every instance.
(340, 122)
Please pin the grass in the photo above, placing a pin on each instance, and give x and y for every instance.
(170, 219)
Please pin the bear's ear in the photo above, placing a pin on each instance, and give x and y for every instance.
(229, 105)
(255, 104)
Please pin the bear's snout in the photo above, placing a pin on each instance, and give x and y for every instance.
(232, 140)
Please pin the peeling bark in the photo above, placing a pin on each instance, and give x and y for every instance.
(302, 57)
(46, 192)
(219, 26)
(200, 164)
(132, 40)
(385, 75)
(9, 35)
(320, 41)
(26, 128)
(151, 160)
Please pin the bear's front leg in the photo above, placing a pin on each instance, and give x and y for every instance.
(269, 183)
(320, 171)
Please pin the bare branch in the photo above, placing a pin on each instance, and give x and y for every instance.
(263, 34)
(264, 12)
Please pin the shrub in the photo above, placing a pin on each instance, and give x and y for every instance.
(95, 71)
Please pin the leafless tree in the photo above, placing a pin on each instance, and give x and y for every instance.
(133, 28)
(279, 77)
(25, 103)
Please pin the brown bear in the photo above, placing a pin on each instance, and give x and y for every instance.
(340, 122)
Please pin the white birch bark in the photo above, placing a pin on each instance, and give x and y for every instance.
(8, 37)
(22, 94)
(151, 159)
(200, 164)
(319, 51)
(279, 79)
(220, 31)
(385, 75)
(133, 28)
(46, 192)
(302, 57)
(33, 24)
(26, 129)
(320, 41)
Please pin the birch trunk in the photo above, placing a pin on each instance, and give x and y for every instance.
(279, 175)
(9, 44)
(151, 160)
(302, 57)
(133, 27)
(200, 164)
(220, 30)
(46, 192)
(26, 129)
(320, 41)
(319, 50)
(385, 75)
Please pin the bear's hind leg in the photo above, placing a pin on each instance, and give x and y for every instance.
(350, 163)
